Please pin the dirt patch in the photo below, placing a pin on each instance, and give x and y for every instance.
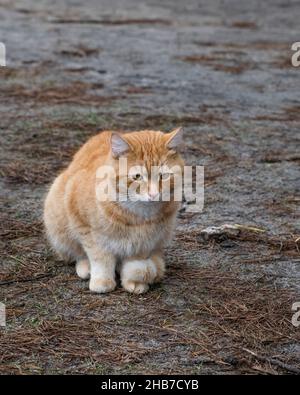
(219, 63)
(244, 25)
(275, 157)
(287, 114)
(137, 90)
(252, 45)
(286, 205)
(205, 118)
(79, 51)
(75, 93)
(22, 172)
(283, 62)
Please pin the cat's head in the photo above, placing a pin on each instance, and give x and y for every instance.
(148, 164)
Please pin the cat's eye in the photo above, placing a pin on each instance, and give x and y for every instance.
(165, 176)
(137, 177)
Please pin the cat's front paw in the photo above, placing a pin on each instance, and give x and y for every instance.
(135, 287)
(83, 268)
(136, 275)
(101, 285)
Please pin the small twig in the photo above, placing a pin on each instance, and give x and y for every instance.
(273, 361)
(25, 280)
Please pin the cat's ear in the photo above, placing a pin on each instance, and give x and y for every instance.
(119, 146)
(175, 139)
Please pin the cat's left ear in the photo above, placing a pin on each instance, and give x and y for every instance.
(119, 145)
(175, 139)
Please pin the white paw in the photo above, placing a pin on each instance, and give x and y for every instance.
(135, 287)
(83, 269)
(136, 275)
(100, 285)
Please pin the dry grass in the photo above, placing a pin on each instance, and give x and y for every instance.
(56, 326)
(287, 114)
(202, 118)
(265, 45)
(244, 25)
(79, 51)
(22, 172)
(214, 326)
(220, 62)
(11, 229)
(75, 93)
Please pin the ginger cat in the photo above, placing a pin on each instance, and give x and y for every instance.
(127, 235)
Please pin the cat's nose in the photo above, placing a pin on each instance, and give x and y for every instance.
(153, 192)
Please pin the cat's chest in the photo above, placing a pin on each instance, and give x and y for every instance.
(135, 240)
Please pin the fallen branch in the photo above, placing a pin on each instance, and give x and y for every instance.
(251, 234)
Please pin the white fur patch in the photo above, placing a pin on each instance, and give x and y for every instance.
(83, 269)
(142, 271)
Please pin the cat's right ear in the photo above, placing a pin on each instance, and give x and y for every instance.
(175, 139)
(119, 146)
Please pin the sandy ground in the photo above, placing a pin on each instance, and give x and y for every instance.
(223, 71)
